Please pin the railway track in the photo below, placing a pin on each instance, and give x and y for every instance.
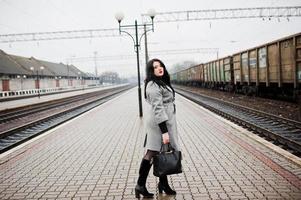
(31, 121)
(16, 113)
(283, 132)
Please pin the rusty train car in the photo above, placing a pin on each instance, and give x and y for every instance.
(271, 68)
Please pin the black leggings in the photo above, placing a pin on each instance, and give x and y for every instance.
(150, 154)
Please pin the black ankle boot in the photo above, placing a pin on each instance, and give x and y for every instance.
(163, 186)
(142, 190)
(143, 173)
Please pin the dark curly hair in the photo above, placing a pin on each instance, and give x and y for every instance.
(161, 81)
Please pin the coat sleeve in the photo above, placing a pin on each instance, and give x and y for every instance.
(156, 100)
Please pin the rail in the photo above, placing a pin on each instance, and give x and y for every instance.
(15, 129)
(282, 131)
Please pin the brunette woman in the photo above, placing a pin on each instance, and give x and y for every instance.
(161, 126)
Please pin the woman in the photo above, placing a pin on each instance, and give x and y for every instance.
(160, 123)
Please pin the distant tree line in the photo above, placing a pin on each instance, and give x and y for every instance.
(110, 77)
(181, 66)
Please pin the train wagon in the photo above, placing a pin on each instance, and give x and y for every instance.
(227, 73)
(209, 75)
(218, 74)
(194, 75)
(274, 67)
(183, 76)
(271, 68)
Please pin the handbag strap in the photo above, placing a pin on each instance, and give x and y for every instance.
(169, 148)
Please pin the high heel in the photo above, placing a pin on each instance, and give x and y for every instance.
(163, 186)
(142, 190)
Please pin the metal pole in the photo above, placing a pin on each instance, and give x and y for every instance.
(146, 50)
(138, 70)
(95, 57)
(68, 76)
(38, 82)
(22, 82)
(83, 82)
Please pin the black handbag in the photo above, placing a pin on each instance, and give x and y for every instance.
(167, 162)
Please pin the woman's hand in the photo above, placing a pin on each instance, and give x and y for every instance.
(165, 138)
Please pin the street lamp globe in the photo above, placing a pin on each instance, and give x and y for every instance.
(119, 16)
(31, 68)
(42, 67)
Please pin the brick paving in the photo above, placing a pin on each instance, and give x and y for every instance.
(97, 156)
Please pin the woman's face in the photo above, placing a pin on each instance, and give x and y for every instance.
(158, 69)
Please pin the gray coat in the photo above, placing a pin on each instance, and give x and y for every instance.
(160, 107)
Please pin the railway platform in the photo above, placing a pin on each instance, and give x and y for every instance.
(97, 156)
(43, 98)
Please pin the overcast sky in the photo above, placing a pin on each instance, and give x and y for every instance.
(229, 36)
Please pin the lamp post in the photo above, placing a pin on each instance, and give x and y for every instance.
(68, 79)
(81, 79)
(19, 77)
(21, 80)
(22, 77)
(119, 17)
(95, 62)
(38, 81)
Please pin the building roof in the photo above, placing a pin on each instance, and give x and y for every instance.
(9, 65)
(18, 65)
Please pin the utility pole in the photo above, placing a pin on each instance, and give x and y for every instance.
(146, 50)
(95, 56)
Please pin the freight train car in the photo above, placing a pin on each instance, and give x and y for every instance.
(194, 75)
(272, 68)
(218, 74)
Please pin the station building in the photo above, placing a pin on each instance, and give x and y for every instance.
(21, 76)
